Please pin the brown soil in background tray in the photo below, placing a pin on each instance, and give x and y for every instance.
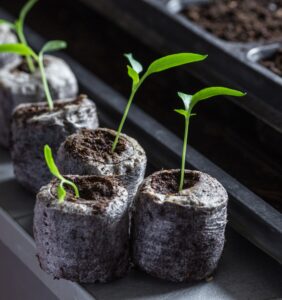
(240, 20)
(274, 63)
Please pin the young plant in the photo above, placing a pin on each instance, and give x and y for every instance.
(25, 50)
(61, 192)
(18, 27)
(189, 102)
(159, 65)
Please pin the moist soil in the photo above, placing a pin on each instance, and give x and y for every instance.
(94, 191)
(26, 112)
(98, 145)
(168, 182)
(240, 20)
(274, 62)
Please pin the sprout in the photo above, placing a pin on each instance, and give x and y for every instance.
(18, 26)
(27, 51)
(54, 170)
(159, 65)
(189, 102)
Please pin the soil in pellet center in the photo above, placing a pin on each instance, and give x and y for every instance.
(240, 20)
(274, 62)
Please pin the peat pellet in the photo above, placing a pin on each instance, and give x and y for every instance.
(178, 236)
(83, 239)
(7, 37)
(34, 125)
(18, 86)
(89, 152)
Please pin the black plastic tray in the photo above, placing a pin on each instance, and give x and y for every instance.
(250, 215)
(161, 26)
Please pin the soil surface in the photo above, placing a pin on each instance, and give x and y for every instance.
(36, 109)
(94, 191)
(240, 20)
(97, 144)
(168, 182)
(274, 63)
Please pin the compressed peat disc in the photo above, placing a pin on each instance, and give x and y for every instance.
(178, 236)
(83, 239)
(18, 86)
(34, 126)
(7, 60)
(89, 152)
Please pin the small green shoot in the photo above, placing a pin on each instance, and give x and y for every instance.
(61, 192)
(18, 26)
(159, 65)
(25, 50)
(189, 102)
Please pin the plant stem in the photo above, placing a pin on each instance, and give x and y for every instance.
(184, 150)
(45, 83)
(131, 97)
(28, 58)
(76, 192)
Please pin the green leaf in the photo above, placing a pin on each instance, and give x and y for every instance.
(182, 112)
(215, 91)
(16, 48)
(173, 60)
(50, 162)
(61, 192)
(186, 99)
(136, 66)
(25, 10)
(53, 46)
(11, 25)
(133, 75)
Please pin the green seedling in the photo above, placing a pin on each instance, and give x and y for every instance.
(25, 50)
(61, 192)
(159, 65)
(190, 102)
(18, 27)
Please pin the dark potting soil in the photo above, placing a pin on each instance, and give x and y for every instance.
(274, 63)
(97, 144)
(168, 182)
(94, 191)
(240, 20)
(27, 112)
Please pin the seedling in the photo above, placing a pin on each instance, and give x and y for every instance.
(61, 192)
(25, 50)
(190, 102)
(18, 26)
(159, 65)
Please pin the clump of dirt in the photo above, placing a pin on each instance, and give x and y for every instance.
(36, 109)
(240, 20)
(97, 144)
(167, 182)
(274, 62)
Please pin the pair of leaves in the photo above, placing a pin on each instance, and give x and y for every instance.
(161, 64)
(25, 50)
(190, 101)
(55, 171)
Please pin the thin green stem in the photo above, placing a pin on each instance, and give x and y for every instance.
(76, 192)
(45, 82)
(131, 97)
(184, 150)
(23, 41)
